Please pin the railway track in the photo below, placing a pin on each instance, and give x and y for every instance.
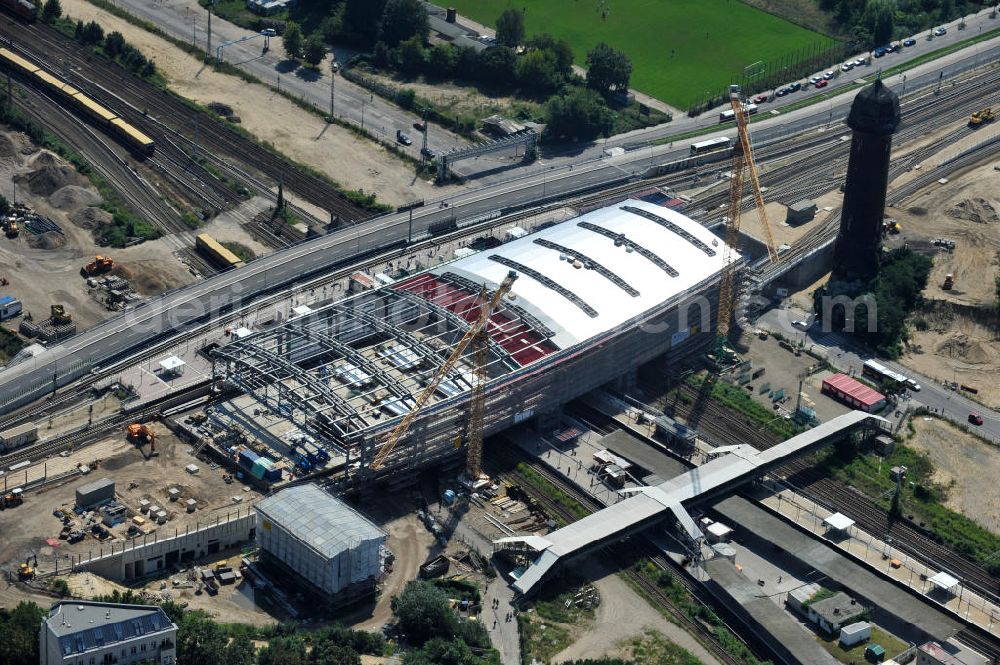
(723, 427)
(619, 553)
(166, 117)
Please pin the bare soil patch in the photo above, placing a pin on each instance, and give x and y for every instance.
(966, 463)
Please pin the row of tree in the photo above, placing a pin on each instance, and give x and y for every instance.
(872, 23)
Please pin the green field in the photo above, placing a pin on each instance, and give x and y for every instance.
(680, 49)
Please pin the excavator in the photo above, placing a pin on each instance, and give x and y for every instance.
(140, 434)
(59, 315)
(99, 266)
(982, 117)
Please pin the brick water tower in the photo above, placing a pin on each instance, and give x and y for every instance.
(874, 117)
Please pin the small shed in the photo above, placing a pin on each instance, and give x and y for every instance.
(800, 212)
(172, 366)
(724, 550)
(242, 332)
(192, 469)
(884, 445)
(514, 232)
(95, 494)
(717, 532)
(301, 310)
(838, 522)
(190, 505)
(944, 582)
(874, 653)
(855, 633)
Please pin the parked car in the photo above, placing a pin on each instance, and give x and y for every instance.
(938, 32)
(795, 87)
(828, 75)
(860, 62)
(909, 41)
(879, 52)
(781, 92)
(419, 126)
(801, 325)
(847, 66)
(427, 152)
(403, 138)
(913, 385)
(975, 418)
(894, 47)
(269, 32)
(760, 99)
(822, 83)
(813, 79)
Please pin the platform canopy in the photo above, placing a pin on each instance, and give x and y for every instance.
(839, 522)
(172, 364)
(944, 581)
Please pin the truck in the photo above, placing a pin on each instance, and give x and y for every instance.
(11, 499)
(100, 265)
(981, 117)
(9, 307)
(949, 282)
(18, 436)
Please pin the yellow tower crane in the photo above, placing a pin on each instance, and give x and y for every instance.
(743, 163)
(477, 332)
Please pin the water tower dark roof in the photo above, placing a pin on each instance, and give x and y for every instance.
(875, 110)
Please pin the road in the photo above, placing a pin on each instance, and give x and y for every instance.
(185, 20)
(175, 312)
(843, 354)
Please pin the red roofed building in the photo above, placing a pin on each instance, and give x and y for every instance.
(853, 393)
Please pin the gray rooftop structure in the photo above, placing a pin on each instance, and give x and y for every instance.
(840, 608)
(318, 519)
(74, 628)
(890, 603)
(763, 616)
(640, 453)
(652, 503)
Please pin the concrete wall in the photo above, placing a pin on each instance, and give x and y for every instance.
(157, 552)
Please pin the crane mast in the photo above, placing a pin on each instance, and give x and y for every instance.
(477, 329)
(743, 168)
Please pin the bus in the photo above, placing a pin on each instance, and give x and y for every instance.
(710, 145)
(726, 116)
(878, 372)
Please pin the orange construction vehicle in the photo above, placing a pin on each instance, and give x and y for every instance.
(10, 227)
(100, 264)
(140, 434)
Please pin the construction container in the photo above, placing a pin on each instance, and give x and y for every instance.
(246, 458)
(114, 514)
(192, 469)
(161, 517)
(173, 493)
(96, 493)
(15, 437)
(144, 505)
(855, 633)
(138, 520)
(273, 475)
(9, 307)
(190, 505)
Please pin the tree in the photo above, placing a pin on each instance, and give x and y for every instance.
(424, 613)
(539, 71)
(361, 20)
(200, 640)
(510, 28)
(496, 66)
(240, 651)
(579, 114)
(441, 60)
(51, 11)
(879, 17)
(114, 44)
(291, 39)
(411, 56)
(19, 634)
(315, 50)
(91, 33)
(283, 651)
(401, 20)
(327, 653)
(607, 69)
(559, 48)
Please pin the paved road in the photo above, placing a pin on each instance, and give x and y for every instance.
(847, 356)
(185, 20)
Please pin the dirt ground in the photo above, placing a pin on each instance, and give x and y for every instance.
(621, 615)
(26, 528)
(303, 136)
(45, 269)
(957, 346)
(967, 463)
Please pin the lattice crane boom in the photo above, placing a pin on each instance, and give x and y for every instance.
(742, 163)
(479, 326)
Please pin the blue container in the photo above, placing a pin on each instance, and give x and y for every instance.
(449, 497)
(247, 458)
(304, 463)
(273, 475)
(323, 455)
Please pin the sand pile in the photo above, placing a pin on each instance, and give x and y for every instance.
(147, 277)
(960, 347)
(10, 152)
(72, 197)
(977, 210)
(47, 240)
(48, 174)
(90, 218)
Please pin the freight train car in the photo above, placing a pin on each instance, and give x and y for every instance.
(216, 253)
(103, 116)
(23, 8)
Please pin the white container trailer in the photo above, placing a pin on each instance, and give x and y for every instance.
(855, 633)
(15, 437)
